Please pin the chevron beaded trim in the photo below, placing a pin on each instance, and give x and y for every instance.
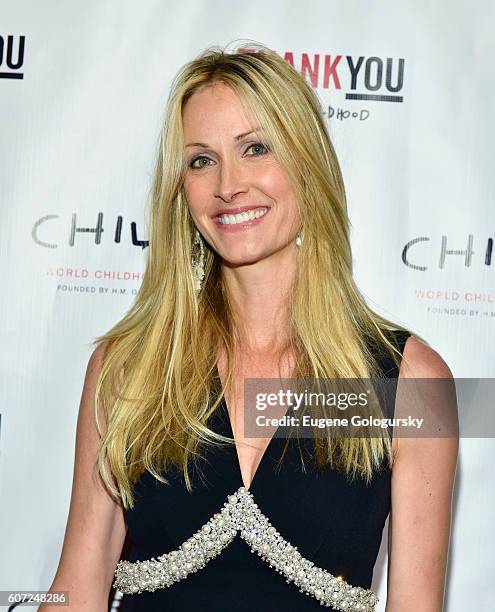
(241, 514)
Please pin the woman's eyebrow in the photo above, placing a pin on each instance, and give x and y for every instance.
(236, 138)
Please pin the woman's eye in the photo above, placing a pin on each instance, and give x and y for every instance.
(193, 161)
(265, 148)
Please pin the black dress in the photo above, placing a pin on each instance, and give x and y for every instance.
(335, 523)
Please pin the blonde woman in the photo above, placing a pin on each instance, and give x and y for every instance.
(249, 275)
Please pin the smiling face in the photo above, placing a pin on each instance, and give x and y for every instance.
(239, 196)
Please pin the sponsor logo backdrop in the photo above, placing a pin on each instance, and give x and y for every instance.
(406, 91)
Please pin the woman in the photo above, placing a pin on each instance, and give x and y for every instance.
(249, 275)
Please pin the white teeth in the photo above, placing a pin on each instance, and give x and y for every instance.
(243, 217)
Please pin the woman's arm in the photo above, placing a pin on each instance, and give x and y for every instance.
(96, 528)
(422, 484)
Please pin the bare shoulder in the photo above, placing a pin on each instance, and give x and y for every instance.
(421, 498)
(432, 396)
(96, 527)
(421, 361)
(96, 360)
(86, 418)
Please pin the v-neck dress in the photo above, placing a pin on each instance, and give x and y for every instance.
(335, 523)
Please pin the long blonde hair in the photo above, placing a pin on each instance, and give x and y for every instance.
(156, 380)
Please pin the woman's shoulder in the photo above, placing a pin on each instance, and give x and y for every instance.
(419, 360)
(97, 356)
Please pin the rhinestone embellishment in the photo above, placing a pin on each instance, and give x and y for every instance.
(241, 514)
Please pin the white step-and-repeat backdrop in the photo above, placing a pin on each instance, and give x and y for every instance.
(407, 89)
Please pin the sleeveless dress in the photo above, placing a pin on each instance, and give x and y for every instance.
(335, 523)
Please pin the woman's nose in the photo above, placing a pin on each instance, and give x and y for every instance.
(231, 181)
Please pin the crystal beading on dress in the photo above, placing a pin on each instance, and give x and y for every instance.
(241, 513)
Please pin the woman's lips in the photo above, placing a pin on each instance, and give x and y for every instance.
(242, 224)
